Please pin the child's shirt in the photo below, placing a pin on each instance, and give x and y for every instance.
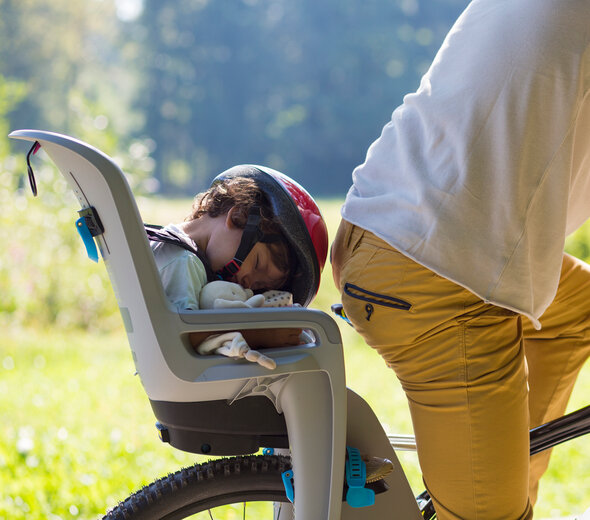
(182, 272)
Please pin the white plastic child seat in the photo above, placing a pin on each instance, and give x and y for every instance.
(170, 371)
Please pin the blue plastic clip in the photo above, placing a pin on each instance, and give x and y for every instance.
(288, 478)
(89, 226)
(338, 309)
(356, 478)
(89, 243)
(268, 451)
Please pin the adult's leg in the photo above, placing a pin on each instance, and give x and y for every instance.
(461, 364)
(555, 354)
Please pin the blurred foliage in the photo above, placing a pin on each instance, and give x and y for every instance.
(578, 243)
(11, 93)
(45, 278)
(302, 86)
(186, 88)
(76, 430)
(40, 280)
(71, 65)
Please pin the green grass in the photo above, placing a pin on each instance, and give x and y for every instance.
(76, 429)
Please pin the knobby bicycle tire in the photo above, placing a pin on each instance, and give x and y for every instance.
(203, 487)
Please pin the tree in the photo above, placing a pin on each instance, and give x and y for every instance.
(302, 86)
(73, 60)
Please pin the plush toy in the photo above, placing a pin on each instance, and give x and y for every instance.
(228, 295)
(223, 295)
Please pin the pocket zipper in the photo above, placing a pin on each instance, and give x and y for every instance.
(372, 297)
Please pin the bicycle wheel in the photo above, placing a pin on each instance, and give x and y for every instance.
(222, 489)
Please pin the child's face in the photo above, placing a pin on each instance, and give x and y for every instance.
(258, 272)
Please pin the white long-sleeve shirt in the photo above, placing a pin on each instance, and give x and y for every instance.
(482, 173)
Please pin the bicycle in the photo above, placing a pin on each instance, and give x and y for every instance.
(301, 412)
(220, 482)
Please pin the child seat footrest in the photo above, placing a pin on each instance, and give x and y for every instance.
(356, 478)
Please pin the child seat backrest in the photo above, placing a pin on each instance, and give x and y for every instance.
(98, 183)
(169, 368)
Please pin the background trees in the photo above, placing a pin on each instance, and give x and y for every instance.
(185, 88)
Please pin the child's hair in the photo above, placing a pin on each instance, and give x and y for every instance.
(243, 193)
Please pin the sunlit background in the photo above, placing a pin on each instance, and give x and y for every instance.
(182, 89)
(176, 91)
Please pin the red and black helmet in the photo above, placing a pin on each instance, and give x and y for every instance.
(300, 221)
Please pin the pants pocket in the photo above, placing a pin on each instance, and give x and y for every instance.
(371, 297)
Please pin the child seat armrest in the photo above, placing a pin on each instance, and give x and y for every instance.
(324, 353)
(323, 326)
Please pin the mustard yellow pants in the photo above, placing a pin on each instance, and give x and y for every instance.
(476, 376)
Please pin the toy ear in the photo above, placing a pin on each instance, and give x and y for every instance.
(255, 301)
(206, 298)
(210, 292)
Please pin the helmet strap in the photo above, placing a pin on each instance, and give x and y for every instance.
(251, 235)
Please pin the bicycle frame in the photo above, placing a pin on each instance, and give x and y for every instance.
(560, 430)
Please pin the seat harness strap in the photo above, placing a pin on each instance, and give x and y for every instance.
(159, 234)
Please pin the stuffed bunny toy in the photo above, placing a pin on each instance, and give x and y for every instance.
(224, 295)
(220, 294)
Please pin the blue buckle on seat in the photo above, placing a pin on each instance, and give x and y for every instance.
(288, 478)
(89, 226)
(87, 238)
(356, 478)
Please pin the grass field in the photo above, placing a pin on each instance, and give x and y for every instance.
(77, 433)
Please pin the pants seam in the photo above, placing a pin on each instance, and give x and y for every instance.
(465, 377)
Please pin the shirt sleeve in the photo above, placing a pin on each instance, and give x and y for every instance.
(183, 278)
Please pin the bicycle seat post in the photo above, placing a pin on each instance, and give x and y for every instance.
(317, 440)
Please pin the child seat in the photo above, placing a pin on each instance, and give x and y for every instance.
(213, 404)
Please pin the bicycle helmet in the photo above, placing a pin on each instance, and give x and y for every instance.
(301, 223)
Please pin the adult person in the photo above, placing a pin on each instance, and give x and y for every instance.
(450, 256)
